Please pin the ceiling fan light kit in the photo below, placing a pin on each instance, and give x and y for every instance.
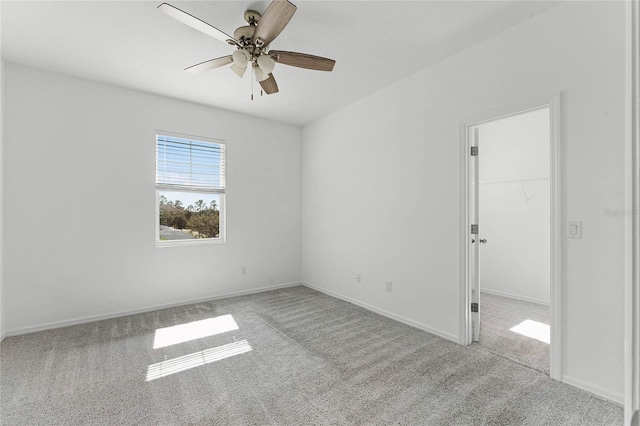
(238, 69)
(265, 63)
(259, 73)
(252, 44)
(241, 58)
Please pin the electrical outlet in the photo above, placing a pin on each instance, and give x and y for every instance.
(388, 285)
(243, 270)
(358, 278)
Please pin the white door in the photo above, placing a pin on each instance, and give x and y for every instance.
(474, 220)
(471, 215)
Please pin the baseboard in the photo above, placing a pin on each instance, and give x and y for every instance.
(92, 318)
(594, 389)
(514, 296)
(384, 313)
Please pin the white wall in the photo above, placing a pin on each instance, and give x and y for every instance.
(80, 202)
(515, 206)
(381, 182)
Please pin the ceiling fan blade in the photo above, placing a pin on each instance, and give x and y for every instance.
(302, 60)
(210, 64)
(194, 22)
(273, 21)
(269, 85)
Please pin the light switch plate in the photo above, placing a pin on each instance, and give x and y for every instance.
(574, 229)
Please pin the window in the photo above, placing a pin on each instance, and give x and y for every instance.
(190, 189)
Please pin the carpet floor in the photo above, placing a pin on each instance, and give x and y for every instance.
(499, 315)
(285, 357)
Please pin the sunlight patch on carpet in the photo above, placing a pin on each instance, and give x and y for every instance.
(197, 359)
(534, 329)
(194, 330)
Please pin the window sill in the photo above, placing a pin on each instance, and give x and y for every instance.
(186, 243)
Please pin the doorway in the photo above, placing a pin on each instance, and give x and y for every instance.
(512, 239)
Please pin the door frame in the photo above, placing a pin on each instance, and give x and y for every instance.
(551, 101)
(632, 220)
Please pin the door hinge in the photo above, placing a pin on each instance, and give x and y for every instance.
(474, 151)
(474, 307)
(474, 229)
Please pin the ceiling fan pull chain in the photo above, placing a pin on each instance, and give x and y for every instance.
(252, 83)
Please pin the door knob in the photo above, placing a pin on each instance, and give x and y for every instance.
(483, 241)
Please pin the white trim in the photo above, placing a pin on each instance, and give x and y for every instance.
(92, 318)
(195, 189)
(533, 104)
(515, 296)
(551, 101)
(2, 204)
(628, 225)
(189, 242)
(594, 389)
(384, 313)
(466, 330)
(557, 235)
(632, 220)
(188, 136)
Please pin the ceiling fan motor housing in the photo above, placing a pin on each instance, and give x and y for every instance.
(244, 34)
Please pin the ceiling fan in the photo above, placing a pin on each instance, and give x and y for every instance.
(252, 44)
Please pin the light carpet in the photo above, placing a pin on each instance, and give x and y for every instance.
(298, 357)
(499, 315)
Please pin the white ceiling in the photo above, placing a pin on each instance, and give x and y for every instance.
(131, 44)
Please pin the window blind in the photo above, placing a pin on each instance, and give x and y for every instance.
(188, 164)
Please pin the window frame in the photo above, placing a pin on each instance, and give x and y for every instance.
(222, 234)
